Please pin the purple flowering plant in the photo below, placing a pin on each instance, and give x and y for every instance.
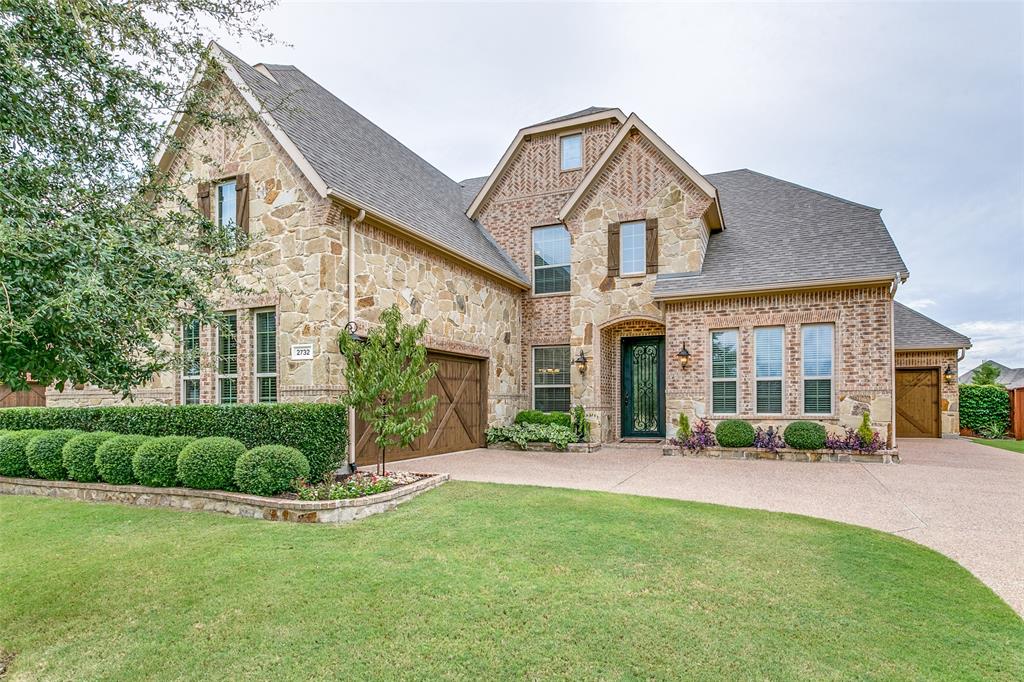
(701, 437)
(768, 439)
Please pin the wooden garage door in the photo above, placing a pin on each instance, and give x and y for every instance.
(33, 396)
(460, 418)
(917, 403)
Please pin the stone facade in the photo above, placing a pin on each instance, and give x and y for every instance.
(949, 393)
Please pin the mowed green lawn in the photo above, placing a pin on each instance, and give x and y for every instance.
(1011, 445)
(474, 581)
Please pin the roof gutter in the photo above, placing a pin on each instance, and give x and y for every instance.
(808, 284)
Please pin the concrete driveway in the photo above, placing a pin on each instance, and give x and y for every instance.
(960, 498)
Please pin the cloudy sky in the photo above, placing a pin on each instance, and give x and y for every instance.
(917, 109)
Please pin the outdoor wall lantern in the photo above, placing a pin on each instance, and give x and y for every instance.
(581, 362)
(949, 375)
(684, 357)
(353, 332)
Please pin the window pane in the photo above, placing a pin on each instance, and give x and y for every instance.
(768, 345)
(226, 204)
(190, 348)
(723, 397)
(572, 151)
(551, 245)
(551, 399)
(769, 397)
(266, 343)
(633, 249)
(817, 350)
(229, 390)
(267, 389)
(551, 280)
(227, 342)
(551, 366)
(192, 391)
(818, 396)
(723, 355)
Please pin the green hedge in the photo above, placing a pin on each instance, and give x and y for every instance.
(805, 436)
(982, 406)
(270, 469)
(209, 463)
(734, 433)
(46, 453)
(13, 453)
(317, 430)
(155, 463)
(114, 459)
(79, 456)
(544, 418)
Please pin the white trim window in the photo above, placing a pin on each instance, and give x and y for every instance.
(818, 349)
(633, 248)
(190, 363)
(551, 255)
(227, 359)
(768, 353)
(226, 214)
(266, 356)
(724, 371)
(571, 151)
(551, 391)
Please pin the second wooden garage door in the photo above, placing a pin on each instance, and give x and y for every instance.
(917, 403)
(460, 418)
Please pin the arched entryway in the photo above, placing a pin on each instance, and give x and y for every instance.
(632, 381)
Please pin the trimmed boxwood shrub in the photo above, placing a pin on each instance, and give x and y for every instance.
(317, 430)
(155, 463)
(984, 406)
(734, 433)
(13, 455)
(270, 469)
(538, 417)
(209, 463)
(79, 456)
(805, 436)
(46, 453)
(114, 458)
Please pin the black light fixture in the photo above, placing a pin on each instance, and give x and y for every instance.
(684, 357)
(949, 375)
(353, 332)
(581, 362)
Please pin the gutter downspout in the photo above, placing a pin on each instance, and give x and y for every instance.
(892, 353)
(351, 291)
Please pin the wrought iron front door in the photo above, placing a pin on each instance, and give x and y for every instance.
(643, 387)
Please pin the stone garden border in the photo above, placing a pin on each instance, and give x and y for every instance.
(787, 454)
(237, 504)
(544, 447)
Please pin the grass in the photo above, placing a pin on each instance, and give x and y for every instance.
(1002, 443)
(475, 581)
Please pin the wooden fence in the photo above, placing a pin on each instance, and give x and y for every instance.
(1017, 413)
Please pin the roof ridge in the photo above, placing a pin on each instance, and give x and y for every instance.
(929, 319)
(804, 187)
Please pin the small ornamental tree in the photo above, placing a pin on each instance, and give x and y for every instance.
(986, 374)
(387, 376)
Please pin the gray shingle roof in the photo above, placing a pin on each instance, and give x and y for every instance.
(780, 233)
(364, 163)
(576, 114)
(1011, 377)
(911, 329)
(470, 188)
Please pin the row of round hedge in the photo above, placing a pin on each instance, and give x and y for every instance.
(799, 435)
(214, 463)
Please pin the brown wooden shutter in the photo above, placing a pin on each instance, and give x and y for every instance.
(652, 245)
(204, 199)
(242, 204)
(613, 250)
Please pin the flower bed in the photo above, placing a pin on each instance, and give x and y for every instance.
(359, 484)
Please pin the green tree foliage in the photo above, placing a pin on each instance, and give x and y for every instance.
(984, 409)
(387, 379)
(91, 276)
(986, 374)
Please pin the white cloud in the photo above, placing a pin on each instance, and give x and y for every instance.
(999, 340)
(921, 303)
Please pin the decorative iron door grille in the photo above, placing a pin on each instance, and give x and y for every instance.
(643, 387)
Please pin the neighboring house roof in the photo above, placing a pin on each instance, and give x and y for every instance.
(576, 114)
(575, 119)
(1011, 377)
(361, 163)
(783, 235)
(713, 214)
(914, 331)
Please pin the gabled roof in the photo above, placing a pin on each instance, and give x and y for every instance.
(1010, 377)
(569, 120)
(348, 157)
(914, 331)
(713, 215)
(782, 235)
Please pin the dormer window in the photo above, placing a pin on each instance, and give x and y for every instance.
(572, 151)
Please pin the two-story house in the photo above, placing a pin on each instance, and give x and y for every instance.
(593, 266)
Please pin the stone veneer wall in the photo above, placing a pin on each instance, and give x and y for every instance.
(467, 313)
(949, 393)
(862, 367)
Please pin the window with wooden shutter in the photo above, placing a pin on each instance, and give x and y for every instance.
(652, 245)
(204, 199)
(632, 248)
(613, 250)
(242, 204)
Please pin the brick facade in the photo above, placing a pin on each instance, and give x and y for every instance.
(949, 393)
